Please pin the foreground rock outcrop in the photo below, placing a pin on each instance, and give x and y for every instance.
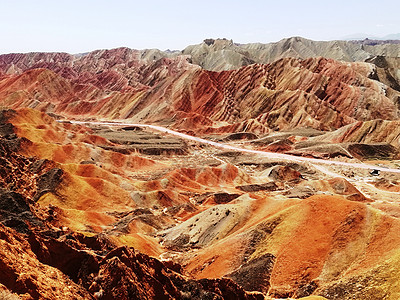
(23, 274)
(42, 259)
(121, 274)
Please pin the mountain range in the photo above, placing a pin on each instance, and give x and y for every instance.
(292, 192)
(362, 36)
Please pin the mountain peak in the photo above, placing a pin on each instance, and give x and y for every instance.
(219, 41)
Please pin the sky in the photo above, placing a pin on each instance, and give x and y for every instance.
(86, 25)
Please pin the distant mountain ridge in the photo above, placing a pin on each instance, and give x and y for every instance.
(362, 36)
(120, 84)
(224, 54)
(182, 90)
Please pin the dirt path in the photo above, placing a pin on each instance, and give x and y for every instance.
(271, 155)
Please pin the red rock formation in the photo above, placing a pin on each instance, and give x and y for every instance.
(84, 200)
(296, 249)
(318, 93)
(48, 260)
(370, 132)
(122, 274)
(126, 274)
(23, 274)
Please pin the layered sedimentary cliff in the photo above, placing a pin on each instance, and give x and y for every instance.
(223, 54)
(125, 212)
(319, 93)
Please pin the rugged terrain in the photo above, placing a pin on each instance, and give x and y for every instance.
(211, 54)
(112, 209)
(223, 54)
(319, 93)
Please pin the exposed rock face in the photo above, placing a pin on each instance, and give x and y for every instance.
(23, 274)
(121, 274)
(125, 274)
(85, 211)
(387, 70)
(101, 67)
(46, 260)
(278, 261)
(255, 275)
(318, 93)
(120, 69)
(222, 54)
(368, 151)
(369, 132)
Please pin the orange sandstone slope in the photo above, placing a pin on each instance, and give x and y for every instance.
(73, 217)
(95, 190)
(323, 245)
(90, 187)
(319, 93)
(217, 221)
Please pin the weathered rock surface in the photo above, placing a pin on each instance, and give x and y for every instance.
(23, 274)
(122, 274)
(98, 67)
(369, 132)
(223, 54)
(46, 260)
(125, 274)
(83, 210)
(299, 251)
(317, 93)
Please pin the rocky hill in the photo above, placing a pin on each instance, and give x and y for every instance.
(75, 205)
(122, 211)
(319, 93)
(211, 54)
(222, 54)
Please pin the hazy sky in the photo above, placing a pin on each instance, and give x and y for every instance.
(85, 25)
